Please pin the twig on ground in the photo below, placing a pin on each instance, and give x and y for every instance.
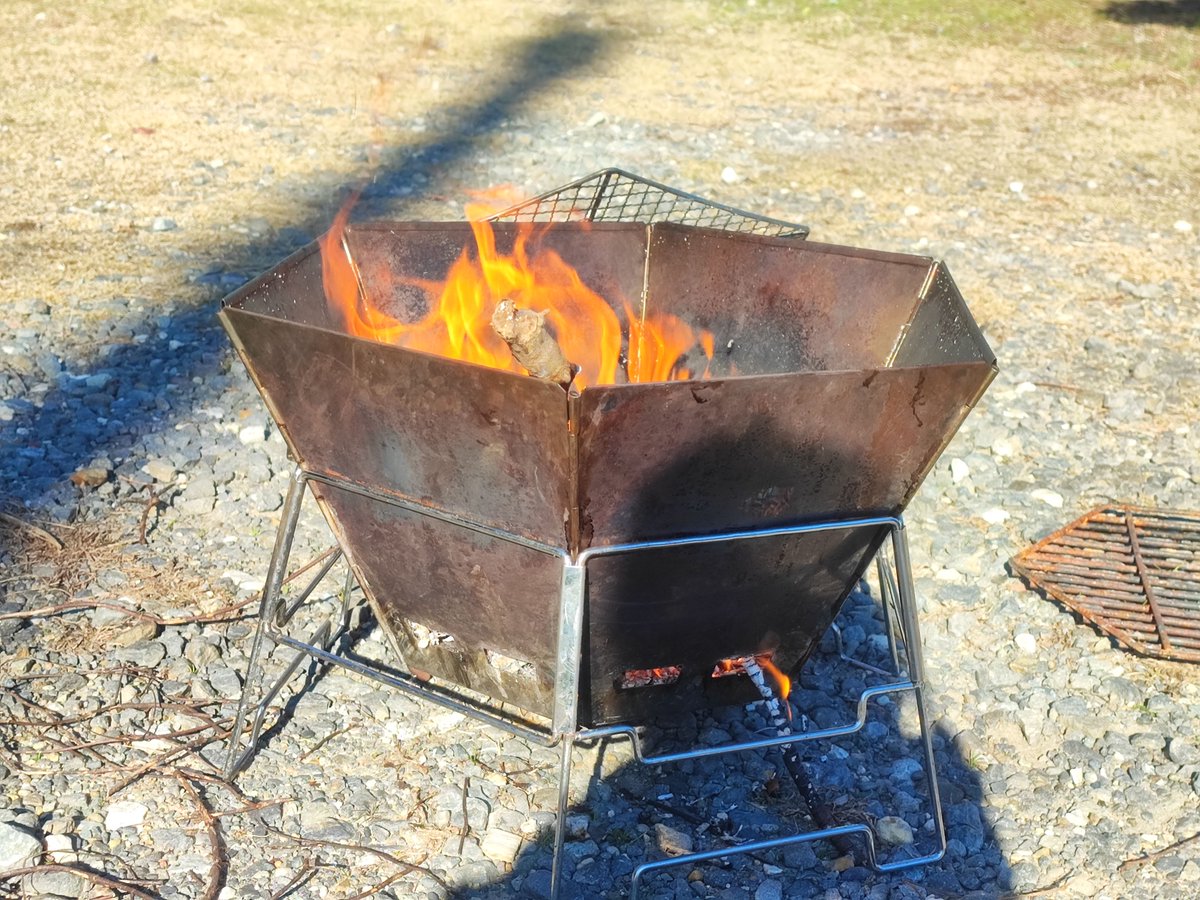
(1157, 854)
(40, 533)
(170, 756)
(301, 878)
(151, 504)
(325, 740)
(375, 889)
(219, 866)
(252, 807)
(96, 878)
(374, 851)
(219, 615)
(466, 827)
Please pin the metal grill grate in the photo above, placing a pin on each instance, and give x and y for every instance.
(614, 195)
(1134, 573)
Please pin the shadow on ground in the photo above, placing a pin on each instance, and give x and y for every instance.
(1180, 13)
(111, 403)
(721, 802)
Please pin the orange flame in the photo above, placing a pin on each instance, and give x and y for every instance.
(458, 324)
(783, 684)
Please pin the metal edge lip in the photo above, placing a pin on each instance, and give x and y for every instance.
(230, 314)
(234, 298)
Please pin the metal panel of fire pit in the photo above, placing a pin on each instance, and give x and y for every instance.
(840, 376)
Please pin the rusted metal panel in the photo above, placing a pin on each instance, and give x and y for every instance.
(1132, 572)
(666, 460)
(491, 595)
(487, 445)
(694, 606)
(777, 305)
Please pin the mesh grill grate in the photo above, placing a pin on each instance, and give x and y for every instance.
(613, 195)
(1134, 573)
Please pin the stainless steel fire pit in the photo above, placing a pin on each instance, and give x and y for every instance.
(560, 545)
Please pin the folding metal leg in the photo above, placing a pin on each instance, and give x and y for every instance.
(268, 609)
(274, 613)
(897, 596)
(901, 593)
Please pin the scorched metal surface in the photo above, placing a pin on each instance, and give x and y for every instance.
(840, 375)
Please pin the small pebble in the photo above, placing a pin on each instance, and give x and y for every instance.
(894, 831)
(1049, 497)
(124, 814)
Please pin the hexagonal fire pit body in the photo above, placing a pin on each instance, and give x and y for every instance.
(559, 543)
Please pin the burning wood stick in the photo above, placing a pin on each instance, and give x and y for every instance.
(532, 344)
(795, 766)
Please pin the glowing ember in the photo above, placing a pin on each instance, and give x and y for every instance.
(737, 666)
(635, 678)
(645, 347)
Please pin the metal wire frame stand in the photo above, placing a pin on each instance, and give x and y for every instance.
(898, 599)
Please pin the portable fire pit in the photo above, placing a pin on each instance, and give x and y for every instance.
(567, 564)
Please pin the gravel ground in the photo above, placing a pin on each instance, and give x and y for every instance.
(155, 159)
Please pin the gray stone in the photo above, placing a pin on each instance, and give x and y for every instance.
(769, 890)
(17, 846)
(160, 470)
(577, 825)
(55, 884)
(894, 830)
(252, 434)
(502, 846)
(137, 630)
(144, 653)
(1183, 751)
(672, 841)
(537, 884)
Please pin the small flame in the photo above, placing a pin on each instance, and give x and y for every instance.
(783, 684)
(458, 324)
(737, 666)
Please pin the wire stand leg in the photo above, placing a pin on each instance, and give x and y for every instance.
(560, 822)
(916, 672)
(268, 609)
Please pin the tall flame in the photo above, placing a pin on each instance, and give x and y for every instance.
(458, 324)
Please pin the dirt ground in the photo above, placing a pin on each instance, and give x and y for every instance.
(210, 113)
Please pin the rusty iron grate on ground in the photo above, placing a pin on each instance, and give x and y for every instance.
(1132, 572)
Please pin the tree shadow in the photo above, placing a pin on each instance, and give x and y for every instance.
(155, 370)
(1179, 13)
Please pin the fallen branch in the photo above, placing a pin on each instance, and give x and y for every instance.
(532, 344)
(325, 740)
(217, 616)
(795, 766)
(300, 879)
(359, 848)
(40, 533)
(218, 868)
(375, 889)
(170, 756)
(462, 835)
(1157, 854)
(96, 878)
